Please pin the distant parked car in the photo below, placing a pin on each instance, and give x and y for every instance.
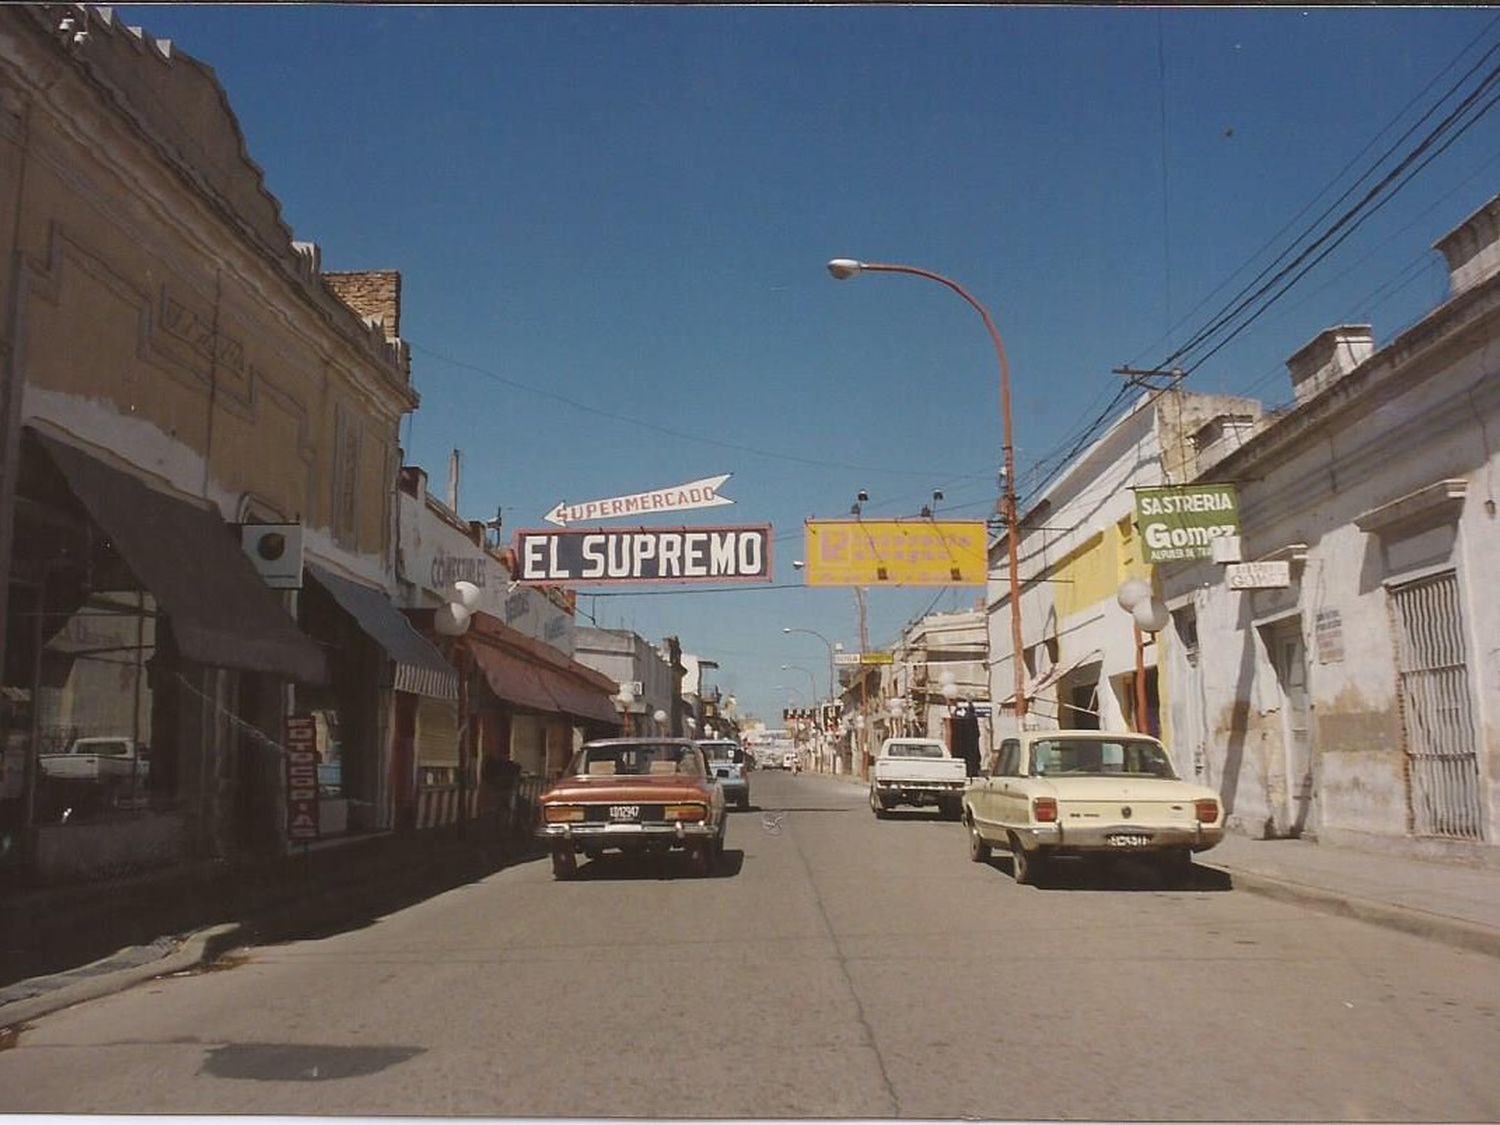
(104, 760)
(650, 795)
(1088, 793)
(729, 765)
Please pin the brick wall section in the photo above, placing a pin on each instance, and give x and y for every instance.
(374, 293)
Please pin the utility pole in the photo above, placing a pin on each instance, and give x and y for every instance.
(864, 684)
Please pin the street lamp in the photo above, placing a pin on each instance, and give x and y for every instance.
(844, 269)
(832, 648)
(1148, 615)
(626, 700)
(811, 679)
(896, 706)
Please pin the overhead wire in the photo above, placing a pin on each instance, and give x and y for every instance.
(657, 427)
(1346, 224)
(1272, 241)
(1360, 221)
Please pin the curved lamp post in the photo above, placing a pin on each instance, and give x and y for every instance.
(831, 649)
(845, 268)
(811, 679)
(626, 700)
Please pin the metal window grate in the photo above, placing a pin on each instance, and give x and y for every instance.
(1437, 709)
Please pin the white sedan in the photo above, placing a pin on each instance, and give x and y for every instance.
(1088, 793)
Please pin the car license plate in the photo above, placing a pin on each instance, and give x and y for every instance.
(1127, 840)
(624, 812)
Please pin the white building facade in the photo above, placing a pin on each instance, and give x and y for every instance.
(1357, 698)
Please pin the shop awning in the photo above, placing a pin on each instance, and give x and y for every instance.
(420, 667)
(527, 673)
(582, 701)
(512, 679)
(221, 613)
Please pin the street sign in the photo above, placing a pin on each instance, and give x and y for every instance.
(679, 498)
(854, 659)
(599, 557)
(896, 553)
(846, 659)
(1258, 575)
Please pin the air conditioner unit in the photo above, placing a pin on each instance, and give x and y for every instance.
(275, 550)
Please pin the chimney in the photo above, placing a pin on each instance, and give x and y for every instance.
(1332, 354)
(453, 470)
(1473, 249)
(373, 294)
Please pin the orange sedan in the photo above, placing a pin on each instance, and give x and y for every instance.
(633, 795)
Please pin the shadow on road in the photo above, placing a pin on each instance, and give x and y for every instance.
(925, 816)
(614, 866)
(1070, 874)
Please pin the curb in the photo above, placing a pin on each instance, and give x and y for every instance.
(1419, 923)
(197, 948)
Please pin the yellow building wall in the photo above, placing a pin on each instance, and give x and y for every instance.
(146, 326)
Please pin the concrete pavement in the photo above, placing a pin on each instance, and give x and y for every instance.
(1442, 901)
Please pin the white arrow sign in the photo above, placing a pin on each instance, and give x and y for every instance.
(679, 498)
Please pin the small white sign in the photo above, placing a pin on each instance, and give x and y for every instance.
(1258, 575)
(679, 498)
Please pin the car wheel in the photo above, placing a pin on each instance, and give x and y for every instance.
(878, 807)
(564, 865)
(1026, 866)
(979, 851)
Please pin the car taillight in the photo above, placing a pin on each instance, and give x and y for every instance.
(558, 814)
(1044, 810)
(685, 812)
(1206, 811)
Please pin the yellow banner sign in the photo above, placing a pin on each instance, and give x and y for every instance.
(896, 552)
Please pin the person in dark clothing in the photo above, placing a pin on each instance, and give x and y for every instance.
(966, 736)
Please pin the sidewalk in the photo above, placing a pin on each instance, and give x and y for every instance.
(1443, 901)
(183, 920)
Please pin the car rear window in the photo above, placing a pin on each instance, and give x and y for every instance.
(723, 752)
(914, 750)
(1099, 757)
(636, 759)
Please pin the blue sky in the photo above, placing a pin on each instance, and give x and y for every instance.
(630, 208)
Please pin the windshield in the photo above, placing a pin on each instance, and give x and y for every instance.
(1075, 757)
(637, 759)
(915, 750)
(723, 752)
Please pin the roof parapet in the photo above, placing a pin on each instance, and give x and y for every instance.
(1331, 355)
(1472, 248)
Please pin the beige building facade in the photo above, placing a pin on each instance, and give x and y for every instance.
(173, 365)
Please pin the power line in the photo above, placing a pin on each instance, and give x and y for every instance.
(1352, 219)
(1308, 206)
(657, 427)
(1484, 109)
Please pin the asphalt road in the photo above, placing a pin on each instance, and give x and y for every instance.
(838, 966)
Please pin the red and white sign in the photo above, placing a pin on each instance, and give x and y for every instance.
(301, 777)
(679, 498)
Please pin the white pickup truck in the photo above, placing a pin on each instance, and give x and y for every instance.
(917, 771)
(106, 760)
